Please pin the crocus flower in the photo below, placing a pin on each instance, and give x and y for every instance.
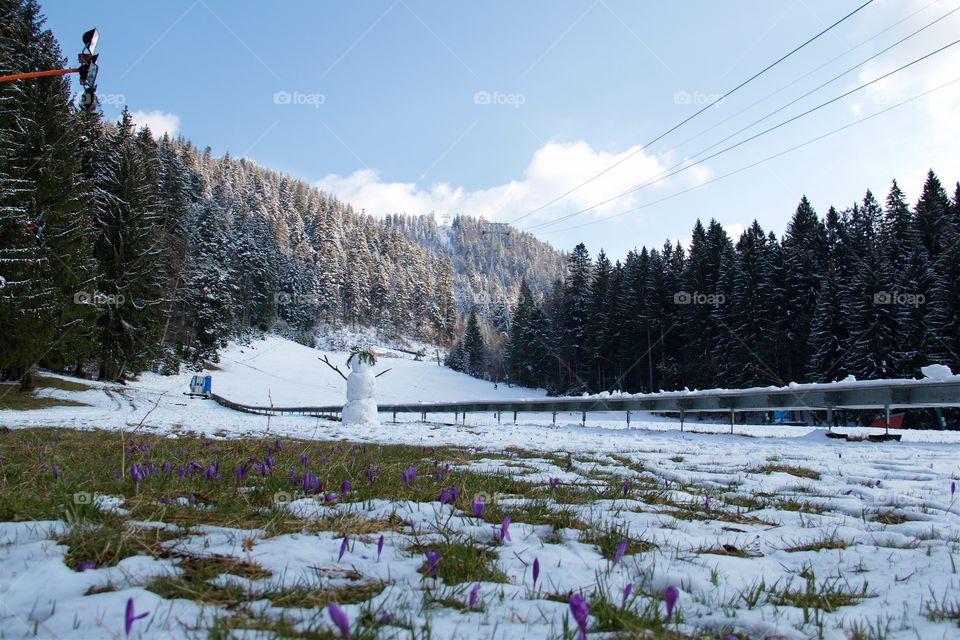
(953, 488)
(303, 458)
(627, 590)
(370, 476)
(343, 547)
(878, 483)
(345, 486)
(472, 600)
(444, 496)
(278, 446)
(86, 565)
(536, 571)
(340, 619)
(554, 482)
(626, 487)
(505, 529)
(621, 549)
(580, 610)
(454, 493)
(135, 473)
(477, 505)
(408, 476)
(56, 472)
(130, 618)
(385, 618)
(708, 501)
(433, 558)
(670, 597)
(379, 547)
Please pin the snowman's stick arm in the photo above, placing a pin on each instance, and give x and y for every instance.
(327, 362)
(382, 372)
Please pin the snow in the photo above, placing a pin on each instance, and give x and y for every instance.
(361, 405)
(906, 566)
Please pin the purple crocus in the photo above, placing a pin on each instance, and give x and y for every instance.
(707, 502)
(278, 446)
(554, 482)
(472, 600)
(340, 619)
(536, 571)
(580, 610)
(505, 529)
(953, 488)
(477, 505)
(56, 472)
(445, 496)
(370, 475)
(433, 558)
(343, 547)
(454, 493)
(129, 618)
(135, 473)
(627, 590)
(303, 458)
(408, 476)
(626, 487)
(86, 565)
(621, 549)
(345, 487)
(670, 597)
(379, 547)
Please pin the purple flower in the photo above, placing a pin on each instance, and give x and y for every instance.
(330, 497)
(444, 496)
(621, 549)
(408, 476)
(554, 482)
(56, 472)
(626, 487)
(953, 488)
(379, 547)
(536, 571)
(878, 483)
(345, 486)
(385, 618)
(433, 558)
(167, 467)
(477, 505)
(135, 473)
(473, 596)
(454, 493)
(343, 547)
(303, 458)
(580, 610)
(129, 618)
(708, 501)
(278, 446)
(505, 529)
(339, 618)
(627, 590)
(370, 475)
(670, 596)
(86, 565)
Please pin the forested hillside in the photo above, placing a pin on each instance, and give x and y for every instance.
(871, 291)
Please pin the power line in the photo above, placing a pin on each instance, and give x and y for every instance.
(686, 166)
(763, 161)
(694, 115)
(827, 63)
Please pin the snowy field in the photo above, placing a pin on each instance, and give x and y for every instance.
(773, 532)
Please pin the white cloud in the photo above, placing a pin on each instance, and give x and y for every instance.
(554, 169)
(159, 122)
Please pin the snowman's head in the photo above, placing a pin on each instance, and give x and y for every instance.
(361, 358)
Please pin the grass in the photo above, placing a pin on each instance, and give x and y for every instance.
(462, 561)
(607, 537)
(828, 595)
(112, 539)
(831, 541)
(799, 472)
(12, 398)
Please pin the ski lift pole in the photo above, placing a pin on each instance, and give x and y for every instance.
(38, 74)
(88, 70)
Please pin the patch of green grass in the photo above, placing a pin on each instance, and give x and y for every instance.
(12, 398)
(799, 472)
(888, 517)
(828, 595)
(607, 537)
(831, 541)
(801, 506)
(111, 540)
(60, 383)
(944, 609)
(535, 512)
(462, 561)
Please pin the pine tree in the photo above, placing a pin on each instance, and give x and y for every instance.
(473, 347)
(131, 292)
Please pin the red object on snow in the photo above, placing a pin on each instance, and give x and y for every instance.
(896, 421)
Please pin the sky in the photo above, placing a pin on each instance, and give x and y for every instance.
(496, 109)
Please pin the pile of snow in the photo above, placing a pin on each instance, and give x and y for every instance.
(936, 371)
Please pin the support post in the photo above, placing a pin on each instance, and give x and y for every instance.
(830, 419)
(554, 418)
(683, 414)
(394, 417)
(886, 413)
(583, 419)
(456, 417)
(498, 417)
(514, 417)
(733, 415)
(628, 419)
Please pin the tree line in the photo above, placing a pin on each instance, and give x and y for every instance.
(871, 291)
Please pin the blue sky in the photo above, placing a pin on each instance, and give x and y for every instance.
(496, 108)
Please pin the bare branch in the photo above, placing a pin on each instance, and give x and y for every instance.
(325, 360)
(382, 372)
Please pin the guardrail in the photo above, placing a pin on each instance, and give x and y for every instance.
(874, 394)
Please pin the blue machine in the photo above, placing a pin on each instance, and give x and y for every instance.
(201, 386)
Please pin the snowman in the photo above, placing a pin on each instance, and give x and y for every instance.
(361, 407)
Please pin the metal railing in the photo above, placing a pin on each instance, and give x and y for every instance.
(874, 394)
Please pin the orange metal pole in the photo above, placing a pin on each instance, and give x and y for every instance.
(37, 74)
